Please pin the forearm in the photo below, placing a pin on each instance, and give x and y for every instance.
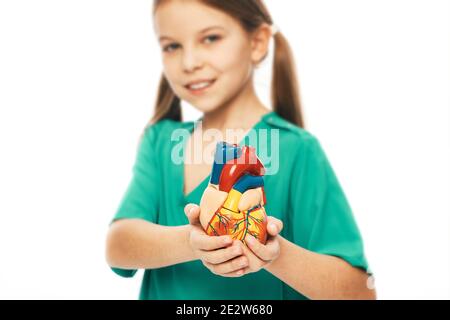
(138, 244)
(319, 276)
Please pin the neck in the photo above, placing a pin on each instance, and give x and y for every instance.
(241, 112)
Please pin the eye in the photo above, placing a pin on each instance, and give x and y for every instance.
(213, 37)
(169, 47)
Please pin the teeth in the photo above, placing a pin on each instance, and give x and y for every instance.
(200, 85)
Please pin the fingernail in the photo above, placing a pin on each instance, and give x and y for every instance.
(240, 272)
(250, 239)
(227, 240)
(191, 210)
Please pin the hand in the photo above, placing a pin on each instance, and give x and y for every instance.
(258, 254)
(220, 255)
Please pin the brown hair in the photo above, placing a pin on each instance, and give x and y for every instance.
(285, 96)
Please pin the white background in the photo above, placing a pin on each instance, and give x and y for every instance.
(77, 85)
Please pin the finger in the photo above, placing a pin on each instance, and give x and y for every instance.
(235, 274)
(250, 198)
(192, 212)
(274, 225)
(264, 252)
(206, 242)
(222, 255)
(229, 266)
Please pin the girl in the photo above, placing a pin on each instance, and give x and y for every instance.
(210, 49)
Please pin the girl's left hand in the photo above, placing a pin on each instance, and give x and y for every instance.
(259, 255)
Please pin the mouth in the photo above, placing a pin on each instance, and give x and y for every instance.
(200, 87)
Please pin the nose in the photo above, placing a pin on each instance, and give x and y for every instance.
(191, 60)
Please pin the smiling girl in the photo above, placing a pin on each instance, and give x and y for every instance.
(210, 50)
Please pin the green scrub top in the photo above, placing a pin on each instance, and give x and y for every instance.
(304, 193)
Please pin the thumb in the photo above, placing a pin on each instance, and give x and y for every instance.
(192, 212)
(274, 225)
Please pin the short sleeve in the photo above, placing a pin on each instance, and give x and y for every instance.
(323, 221)
(141, 198)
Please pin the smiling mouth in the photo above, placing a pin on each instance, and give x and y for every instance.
(200, 87)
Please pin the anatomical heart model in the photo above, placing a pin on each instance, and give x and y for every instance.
(235, 170)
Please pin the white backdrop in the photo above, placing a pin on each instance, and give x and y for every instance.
(77, 85)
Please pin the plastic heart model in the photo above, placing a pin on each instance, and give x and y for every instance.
(235, 170)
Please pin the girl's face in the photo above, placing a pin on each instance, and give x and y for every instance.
(200, 43)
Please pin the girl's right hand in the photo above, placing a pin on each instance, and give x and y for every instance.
(221, 255)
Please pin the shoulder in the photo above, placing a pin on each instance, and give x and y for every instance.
(156, 140)
(163, 131)
(291, 136)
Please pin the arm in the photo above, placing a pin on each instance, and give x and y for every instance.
(136, 244)
(318, 276)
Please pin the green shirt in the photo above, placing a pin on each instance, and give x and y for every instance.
(304, 193)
